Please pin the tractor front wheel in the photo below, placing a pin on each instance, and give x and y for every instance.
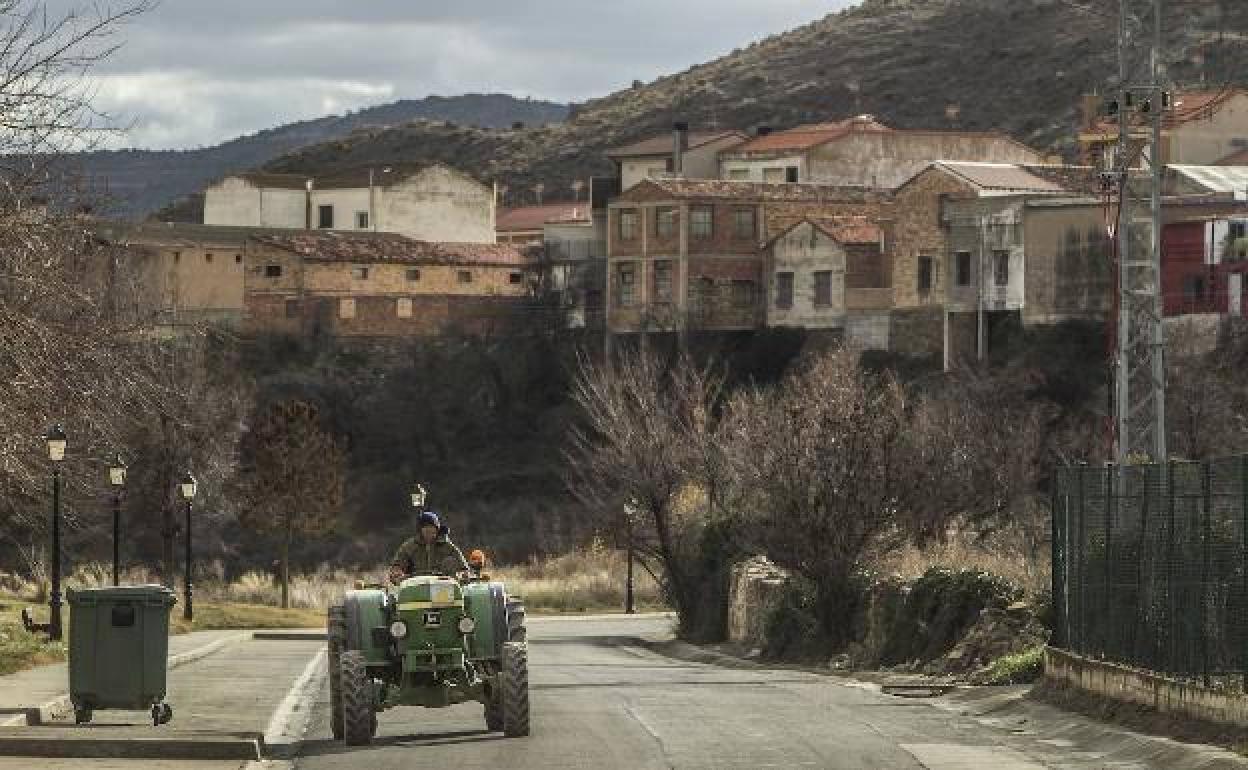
(494, 709)
(516, 629)
(359, 717)
(515, 685)
(337, 622)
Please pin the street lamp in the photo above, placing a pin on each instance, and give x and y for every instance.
(187, 488)
(630, 516)
(418, 497)
(117, 479)
(57, 442)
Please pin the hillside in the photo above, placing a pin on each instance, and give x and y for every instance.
(1018, 66)
(141, 181)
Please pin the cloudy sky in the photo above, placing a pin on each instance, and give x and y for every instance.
(196, 72)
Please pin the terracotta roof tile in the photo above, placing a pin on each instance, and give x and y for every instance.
(533, 217)
(662, 145)
(762, 192)
(843, 229)
(810, 135)
(389, 247)
(1000, 176)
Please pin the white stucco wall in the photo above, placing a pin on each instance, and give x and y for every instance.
(634, 171)
(889, 160)
(755, 168)
(1201, 142)
(346, 203)
(803, 251)
(237, 202)
(438, 204)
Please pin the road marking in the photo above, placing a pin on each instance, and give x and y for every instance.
(948, 756)
(290, 721)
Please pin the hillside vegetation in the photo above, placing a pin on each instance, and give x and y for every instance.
(1017, 66)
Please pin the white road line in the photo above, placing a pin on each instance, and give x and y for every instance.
(290, 721)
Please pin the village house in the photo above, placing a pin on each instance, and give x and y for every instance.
(432, 203)
(688, 255)
(682, 153)
(1202, 128)
(526, 225)
(380, 285)
(1205, 240)
(860, 151)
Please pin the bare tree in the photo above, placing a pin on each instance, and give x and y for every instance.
(292, 473)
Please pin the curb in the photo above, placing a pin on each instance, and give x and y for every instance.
(290, 636)
(61, 705)
(237, 746)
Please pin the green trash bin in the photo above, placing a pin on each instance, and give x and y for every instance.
(119, 650)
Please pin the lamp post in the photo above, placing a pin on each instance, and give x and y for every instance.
(117, 480)
(187, 488)
(418, 497)
(630, 515)
(57, 442)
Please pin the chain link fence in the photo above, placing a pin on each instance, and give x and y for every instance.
(1149, 566)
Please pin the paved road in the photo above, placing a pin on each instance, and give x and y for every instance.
(601, 702)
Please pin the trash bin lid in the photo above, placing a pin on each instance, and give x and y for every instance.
(110, 594)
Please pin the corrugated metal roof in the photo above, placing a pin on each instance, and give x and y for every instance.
(999, 176)
(389, 247)
(1216, 179)
(663, 144)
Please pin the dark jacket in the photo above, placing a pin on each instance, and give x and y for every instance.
(439, 558)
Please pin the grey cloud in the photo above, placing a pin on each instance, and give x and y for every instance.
(199, 71)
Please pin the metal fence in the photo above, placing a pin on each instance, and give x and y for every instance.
(1149, 566)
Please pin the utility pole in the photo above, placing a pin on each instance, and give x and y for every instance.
(1139, 366)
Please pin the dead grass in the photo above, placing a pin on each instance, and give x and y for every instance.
(1003, 554)
(591, 579)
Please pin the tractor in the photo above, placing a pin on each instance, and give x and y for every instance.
(435, 641)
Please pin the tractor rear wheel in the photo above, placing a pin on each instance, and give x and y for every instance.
(515, 685)
(337, 627)
(516, 629)
(358, 714)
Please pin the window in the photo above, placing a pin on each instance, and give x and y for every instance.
(784, 290)
(238, 259)
(177, 256)
(790, 174)
(464, 276)
(742, 293)
(823, 288)
(925, 274)
(1193, 287)
(701, 220)
(361, 220)
(292, 308)
(739, 174)
(208, 257)
(326, 220)
(359, 273)
(346, 308)
(1238, 230)
(663, 281)
(665, 222)
(1001, 268)
(272, 271)
(515, 279)
(626, 279)
(403, 307)
(413, 274)
(963, 267)
(744, 226)
(628, 224)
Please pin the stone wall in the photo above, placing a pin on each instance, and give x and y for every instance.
(755, 591)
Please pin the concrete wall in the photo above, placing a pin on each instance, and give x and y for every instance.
(802, 252)
(1067, 271)
(1199, 142)
(438, 204)
(236, 201)
(701, 162)
(634, 171)
(983, 227)
(755, 169)
(346, 203)
(887, 160)
(1130, 685)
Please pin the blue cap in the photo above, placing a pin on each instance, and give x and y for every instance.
(429, 519)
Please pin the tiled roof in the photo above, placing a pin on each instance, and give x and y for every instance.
(762, 192)
(1077, 179)
(662, 145)
(810, 135)
(533, 217)
(389, 247)
(999, 176)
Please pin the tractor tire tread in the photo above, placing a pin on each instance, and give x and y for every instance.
(515, 685)
(337, 636)
(358, 714)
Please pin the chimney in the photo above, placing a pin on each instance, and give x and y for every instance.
(680, 145)
(763, 130)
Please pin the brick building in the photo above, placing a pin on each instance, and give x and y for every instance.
(689, 254)
(369, 285)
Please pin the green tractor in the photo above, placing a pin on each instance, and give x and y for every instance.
(436, 642)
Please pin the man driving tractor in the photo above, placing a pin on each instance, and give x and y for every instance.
(429, 553)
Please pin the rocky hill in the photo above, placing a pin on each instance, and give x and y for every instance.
(1018, 66)
(137, 182)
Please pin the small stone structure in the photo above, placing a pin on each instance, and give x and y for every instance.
(756, 589)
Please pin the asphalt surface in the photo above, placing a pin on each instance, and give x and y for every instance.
(601, 700)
